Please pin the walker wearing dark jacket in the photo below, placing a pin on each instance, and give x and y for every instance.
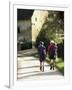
(42, 54)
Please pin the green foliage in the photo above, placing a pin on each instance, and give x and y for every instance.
(41, 37)
(60, 65)
(53, 26)
(24, 45)
(27, 45)
(60, 51)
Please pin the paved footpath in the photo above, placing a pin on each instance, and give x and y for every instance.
(28, 69)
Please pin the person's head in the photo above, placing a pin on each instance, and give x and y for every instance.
(41, 43)
(52, 42)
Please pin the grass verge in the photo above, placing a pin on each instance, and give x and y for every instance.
(60, 65)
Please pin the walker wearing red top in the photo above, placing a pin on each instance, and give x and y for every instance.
(52, 54)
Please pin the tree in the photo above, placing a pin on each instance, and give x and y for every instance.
(52, 28)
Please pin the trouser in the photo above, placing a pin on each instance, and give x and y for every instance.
(42, 66)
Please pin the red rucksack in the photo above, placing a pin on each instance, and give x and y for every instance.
(51, 49)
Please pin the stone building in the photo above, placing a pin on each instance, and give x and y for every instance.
(24, 29)
(38, 18)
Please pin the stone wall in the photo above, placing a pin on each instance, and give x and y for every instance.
(38, 19)
(25, 30)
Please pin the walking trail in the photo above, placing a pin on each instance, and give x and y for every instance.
(28, 68)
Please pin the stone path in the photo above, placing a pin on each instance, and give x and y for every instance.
(28, 69)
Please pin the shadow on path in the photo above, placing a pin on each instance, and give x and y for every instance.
(29, 60)
(31, 67)
(28, 72)
(40, 74)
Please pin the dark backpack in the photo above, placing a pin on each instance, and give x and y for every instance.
(42, 50)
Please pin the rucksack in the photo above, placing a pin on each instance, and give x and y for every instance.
(52, 49)
(42, 50)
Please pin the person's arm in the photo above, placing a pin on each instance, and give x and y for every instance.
(44, 51)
